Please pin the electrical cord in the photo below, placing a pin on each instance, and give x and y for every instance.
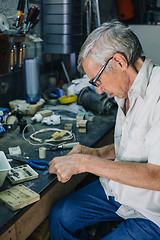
(50, 141)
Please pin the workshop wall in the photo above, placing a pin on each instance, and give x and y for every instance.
(9, 9)
(11, 84)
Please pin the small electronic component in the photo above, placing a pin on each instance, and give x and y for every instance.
(62, 133)
(82, 126)
(68, 126)
(21, 174)
(55, 135)
(79, 117)
(82, 123)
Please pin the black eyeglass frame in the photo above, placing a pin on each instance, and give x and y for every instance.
(94, 80)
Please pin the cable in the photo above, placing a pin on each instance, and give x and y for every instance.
(50, 141)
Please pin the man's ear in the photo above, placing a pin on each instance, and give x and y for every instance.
(120, 61)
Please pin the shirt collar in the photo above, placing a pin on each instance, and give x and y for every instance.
(141, 81)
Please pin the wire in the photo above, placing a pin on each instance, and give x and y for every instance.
(50, 141)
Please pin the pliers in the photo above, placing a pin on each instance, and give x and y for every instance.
(38, 164)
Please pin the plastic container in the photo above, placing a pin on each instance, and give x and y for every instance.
(26, 108)
(68, 99)
(4, 167)
(32, 79)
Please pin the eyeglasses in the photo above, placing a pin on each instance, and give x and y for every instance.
(95, 81)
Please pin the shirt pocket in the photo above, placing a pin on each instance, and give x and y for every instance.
(138, 133)
(135, 149)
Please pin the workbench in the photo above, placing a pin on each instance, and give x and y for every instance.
(18, 225)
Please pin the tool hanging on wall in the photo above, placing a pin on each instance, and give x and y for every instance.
(12, 60)
(20, 57)
(17, 56)
(23, 52)
(32, 19)
(20, 13)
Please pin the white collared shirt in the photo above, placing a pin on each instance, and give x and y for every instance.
(137, 139)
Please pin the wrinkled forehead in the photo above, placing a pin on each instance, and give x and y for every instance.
(90, 63)
(90, 67)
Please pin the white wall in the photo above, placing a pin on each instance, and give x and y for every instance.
(149, 36)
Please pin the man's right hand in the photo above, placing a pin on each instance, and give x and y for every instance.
(76, 149)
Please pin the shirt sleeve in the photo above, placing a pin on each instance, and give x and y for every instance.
(153, 138)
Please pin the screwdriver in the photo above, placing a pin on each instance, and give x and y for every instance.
(20, 9)
(31, 18)
(63, 146)
(33, 24)
(21, 19)
(30, 12)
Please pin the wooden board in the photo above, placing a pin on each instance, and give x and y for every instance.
(18, 197)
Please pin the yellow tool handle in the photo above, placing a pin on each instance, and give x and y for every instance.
(12, 59)
(24, 51)
(20, 57)
(15, 54)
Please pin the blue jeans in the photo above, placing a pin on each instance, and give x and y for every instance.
(71, 215)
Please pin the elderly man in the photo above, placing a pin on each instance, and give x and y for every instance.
(129, 185)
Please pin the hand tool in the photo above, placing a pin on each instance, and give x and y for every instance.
(12, 60)
(63, 146)
(40, 165)
(23, 52)
(21, 19)
(20, 10)
(15, 54)
(30, 12)
(32, 18)
(34, 23)
(20, 57)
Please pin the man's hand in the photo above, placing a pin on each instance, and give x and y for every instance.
(80, 159)
(64, 167)
(77, 149)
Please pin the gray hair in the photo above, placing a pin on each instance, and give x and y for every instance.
(108, 39)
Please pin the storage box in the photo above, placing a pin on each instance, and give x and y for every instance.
(4, 167)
